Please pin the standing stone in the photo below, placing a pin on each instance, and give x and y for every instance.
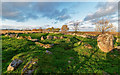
(49, 37)
(42, 38)
(105, 42)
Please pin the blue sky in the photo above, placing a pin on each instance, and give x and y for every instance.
(20, 15)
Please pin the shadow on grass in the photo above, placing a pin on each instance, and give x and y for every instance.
(86, 60)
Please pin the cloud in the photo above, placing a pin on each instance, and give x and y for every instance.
(103, 9)
(75, 22)
(17, 11)
(51, 11)
(22, 11)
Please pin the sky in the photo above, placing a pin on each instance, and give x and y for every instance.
(22, 15)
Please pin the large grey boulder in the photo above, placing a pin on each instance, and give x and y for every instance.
(105, 42)
(14, 64)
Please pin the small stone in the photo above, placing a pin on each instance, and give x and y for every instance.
(117, 47)
(20, 37)
(16, 35)
(79, 42)
(61, 37)
(49, 37)
(118, 40)
(42, 38)
(6, 34)
(12, 35)
(34, 62)
(55, 37)
(47, 46)
(34, 40)
(48, 52)
(69, 61)
(29, 38)
(88, 46)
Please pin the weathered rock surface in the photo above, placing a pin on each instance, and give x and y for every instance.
(79, 42)
(88, 46)
(29, 37)
(47, 46)
(55, 37)
(14, 64)
(30, 67)
(34, 40)
(49, 37)
(42, 38)
(44, 45)
(105, 42)
(6, 34)
(12, 35)
(16, 35)
(48, 52)
(61, 37)
(20, 37)
(117, 40)
(117, 47)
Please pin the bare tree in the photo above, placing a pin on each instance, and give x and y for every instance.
(40, 29)
(104, 26)
(75, 25)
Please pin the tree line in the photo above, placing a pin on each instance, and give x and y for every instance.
(102, 26)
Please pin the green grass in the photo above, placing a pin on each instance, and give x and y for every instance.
(84, 60)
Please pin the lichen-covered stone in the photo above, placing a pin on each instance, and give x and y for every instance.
(88, 46)
(30, 67)
(20, 37)
(61, 37)
(14, 64)
(105, 42)
(48, 52)
(49, 37)
(55, 37)
(42, 38)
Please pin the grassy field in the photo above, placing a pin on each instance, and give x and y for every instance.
(84, 60)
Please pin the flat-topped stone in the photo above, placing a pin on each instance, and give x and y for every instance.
(14, 64)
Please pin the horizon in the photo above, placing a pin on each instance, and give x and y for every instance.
(33, 15)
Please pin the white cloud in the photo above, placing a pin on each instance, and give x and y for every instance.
(104, 9)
